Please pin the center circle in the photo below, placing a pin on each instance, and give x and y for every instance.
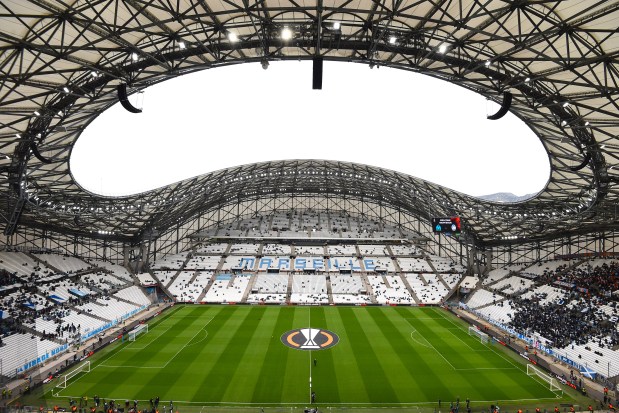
(310, 339)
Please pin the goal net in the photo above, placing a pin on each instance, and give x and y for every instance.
(141, 329)
(534, 371)
(483, 337)
(82, 368)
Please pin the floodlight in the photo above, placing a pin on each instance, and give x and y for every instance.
(286, 33)
(233, 37)
(181, 45)
(392, 40)
(336, 26)
(66, 89)
(442, 48)
(134, 57)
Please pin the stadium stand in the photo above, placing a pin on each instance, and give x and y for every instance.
(189, 285)
(309, 289)
(213, 249)
(63, 263)
(414, 264)
(134, 295)
(19, 347)
(389, 289)
(170, 262)
(227, 288)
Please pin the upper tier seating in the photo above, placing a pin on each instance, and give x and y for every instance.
(389, 289)
(213, 249)
(133, 294)
(22, 265)
(203, 262)
(414, 265)
(170, 262)
(483, 297)
(63, 263)
(227, 289)
(244, 249)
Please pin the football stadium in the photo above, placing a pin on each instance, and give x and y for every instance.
(309, 285)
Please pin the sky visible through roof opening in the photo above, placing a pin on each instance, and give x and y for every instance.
(242, 114)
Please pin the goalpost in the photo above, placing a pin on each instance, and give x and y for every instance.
(142, 328)
(483, 337)
(534, 371)
(83, 368)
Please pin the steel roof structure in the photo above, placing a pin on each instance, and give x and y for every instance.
(61, 64)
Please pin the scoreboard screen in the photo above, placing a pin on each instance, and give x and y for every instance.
(446, 225)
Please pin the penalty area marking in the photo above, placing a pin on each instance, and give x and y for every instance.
(187, 344)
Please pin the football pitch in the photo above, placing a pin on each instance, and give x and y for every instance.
(250, 356)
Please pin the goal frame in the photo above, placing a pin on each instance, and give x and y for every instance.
(552, 382)
(141, 329)
(483, 337)
(83, 368)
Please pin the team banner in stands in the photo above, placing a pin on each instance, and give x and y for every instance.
(308, 263)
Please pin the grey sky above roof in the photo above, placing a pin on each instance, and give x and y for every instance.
(384, 117)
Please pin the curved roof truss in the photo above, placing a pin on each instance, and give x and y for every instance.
(62, 62)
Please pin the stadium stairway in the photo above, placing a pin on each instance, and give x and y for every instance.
(440, 278)
(430, 264)
(368, 288)
(410, 289)
(131, 302)
(193, 277)
(222, 261)
(207, 287)
(384, 277)
(452, 290)
(189, 256)
(91, 287)
(42, 262)
(250, 287)
(494, 302)
(92, 315)
(289, 288)
(329, 290)
(164, 288)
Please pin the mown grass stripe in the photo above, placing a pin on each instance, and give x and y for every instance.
(423, 382)
(297, 362)
(265, 372)
(351, 387)
(324, 373)
(250, 362)
(372, 373)
(234, 338)
(269, 387)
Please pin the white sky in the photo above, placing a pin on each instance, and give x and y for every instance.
(243, 114)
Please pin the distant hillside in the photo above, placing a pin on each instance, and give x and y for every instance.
(505, 197)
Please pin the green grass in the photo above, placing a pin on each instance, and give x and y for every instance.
(386, 356)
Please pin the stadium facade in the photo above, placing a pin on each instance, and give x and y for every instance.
(552, 64)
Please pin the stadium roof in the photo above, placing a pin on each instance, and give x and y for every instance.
(61, 64)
